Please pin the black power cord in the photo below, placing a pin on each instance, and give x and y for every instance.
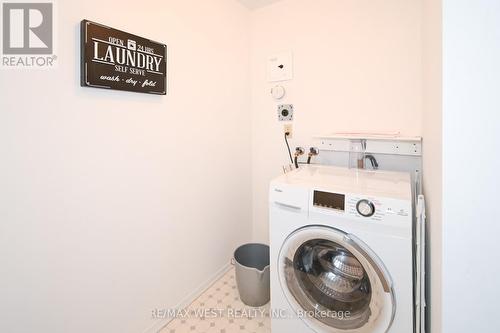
(288, 147)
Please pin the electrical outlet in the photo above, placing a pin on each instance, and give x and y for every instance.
(288, 128)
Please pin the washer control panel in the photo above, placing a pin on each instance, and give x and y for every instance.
(374, 209)
(358, 206)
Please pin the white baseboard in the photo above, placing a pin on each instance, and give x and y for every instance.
(186, 301)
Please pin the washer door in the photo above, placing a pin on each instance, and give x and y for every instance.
(335, 283)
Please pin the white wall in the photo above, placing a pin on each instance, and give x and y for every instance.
(97, 226)
(471, 137)
(115, 203)
(432, 152)
(357, 67)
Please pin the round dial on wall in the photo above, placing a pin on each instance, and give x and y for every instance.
(278, 92)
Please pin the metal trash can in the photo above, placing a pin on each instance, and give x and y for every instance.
(251, 263)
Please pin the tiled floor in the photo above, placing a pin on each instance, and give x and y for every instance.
(220, 310)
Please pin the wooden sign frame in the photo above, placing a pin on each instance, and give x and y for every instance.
(114, 59)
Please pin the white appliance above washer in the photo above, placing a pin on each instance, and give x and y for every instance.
(341, 251)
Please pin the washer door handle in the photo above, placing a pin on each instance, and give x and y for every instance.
(373, 260)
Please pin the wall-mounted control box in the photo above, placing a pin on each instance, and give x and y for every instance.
(285, 112)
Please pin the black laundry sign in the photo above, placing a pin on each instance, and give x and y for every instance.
(115, 59)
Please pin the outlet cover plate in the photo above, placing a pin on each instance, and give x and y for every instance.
(285, 112)
(280, 67)
(288, 128)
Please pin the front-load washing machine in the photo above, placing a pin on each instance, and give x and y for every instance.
(341, 251)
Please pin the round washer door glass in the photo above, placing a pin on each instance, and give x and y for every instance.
(333, 281)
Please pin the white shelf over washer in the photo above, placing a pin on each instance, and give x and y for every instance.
(393, 144)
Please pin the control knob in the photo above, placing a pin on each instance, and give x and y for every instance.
(365, 208)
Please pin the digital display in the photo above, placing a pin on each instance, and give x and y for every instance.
(329, 200)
